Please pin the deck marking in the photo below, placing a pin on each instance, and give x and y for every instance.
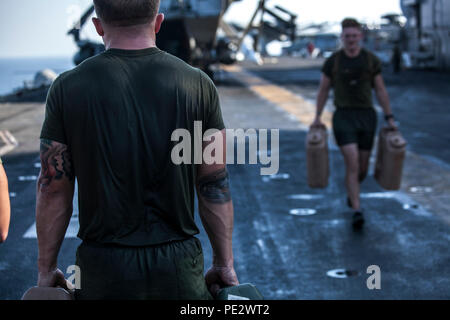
(302, 212)
(299, 108)
(7, 142)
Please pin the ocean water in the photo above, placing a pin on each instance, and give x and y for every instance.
(14, 71)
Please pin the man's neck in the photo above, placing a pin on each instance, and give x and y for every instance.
(130, 44)
(130, 38)
(352, 52)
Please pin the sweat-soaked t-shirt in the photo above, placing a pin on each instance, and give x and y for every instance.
(116, 112)
(352, 78)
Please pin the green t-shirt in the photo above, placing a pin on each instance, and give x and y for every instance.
(352, 78)
(116, 112)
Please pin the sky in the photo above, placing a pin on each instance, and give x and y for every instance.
(37, 28)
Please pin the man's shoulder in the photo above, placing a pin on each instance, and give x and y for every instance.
(69, 75)
(335, 54)
(178, 65)
(61, 79)
(330, 60)
(167, 64)
(184, 70)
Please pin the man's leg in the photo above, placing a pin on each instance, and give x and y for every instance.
(351, 158)
(364, 158)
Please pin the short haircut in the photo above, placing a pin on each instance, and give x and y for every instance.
(124, 13)
(350, 23)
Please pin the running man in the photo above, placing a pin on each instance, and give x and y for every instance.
(353, 72)
(109, 124)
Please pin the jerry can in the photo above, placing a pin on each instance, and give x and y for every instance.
(245, 291)
(44, 293)
(390, 157)
(317, 161)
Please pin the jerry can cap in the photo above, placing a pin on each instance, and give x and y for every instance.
(397, 141)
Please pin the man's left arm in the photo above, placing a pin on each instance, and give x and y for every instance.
(383, 99)
(55, 189)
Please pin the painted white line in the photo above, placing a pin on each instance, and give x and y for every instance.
(302, 212)
(378, 195)
(28, 178)
(280, 176)
(370, 195)
(9, 142)
(306, 196)
(263, 249)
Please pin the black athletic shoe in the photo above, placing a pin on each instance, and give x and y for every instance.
(358, 220)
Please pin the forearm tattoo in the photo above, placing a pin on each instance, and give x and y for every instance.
(215, 187)
(56, 162)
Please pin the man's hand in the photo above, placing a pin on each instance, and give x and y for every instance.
(54, 278)
(220, 277)
(391, 123)
(317, 122)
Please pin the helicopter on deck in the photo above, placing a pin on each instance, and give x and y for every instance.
(189, 32)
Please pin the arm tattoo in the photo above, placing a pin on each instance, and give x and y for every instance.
(215, 188)
(55, 162)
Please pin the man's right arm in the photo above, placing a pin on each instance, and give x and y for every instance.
(322, 97)
(216, 213)
(5, 208)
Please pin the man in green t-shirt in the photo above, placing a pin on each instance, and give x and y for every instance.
(353, 72)
(109, 124)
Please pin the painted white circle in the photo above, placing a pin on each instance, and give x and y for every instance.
(341, 273)
(27, 178)
(420, 189)
(408, 206)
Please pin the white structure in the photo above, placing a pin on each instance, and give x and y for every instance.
(428, 32)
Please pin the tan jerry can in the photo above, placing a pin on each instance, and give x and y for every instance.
(43, 293)
(390, 157)
(317, 157)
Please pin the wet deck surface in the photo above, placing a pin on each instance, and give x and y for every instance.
(407, 233)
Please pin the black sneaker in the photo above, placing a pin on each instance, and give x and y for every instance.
(358, 220)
